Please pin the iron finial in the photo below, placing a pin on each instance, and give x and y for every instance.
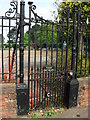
(30, 2)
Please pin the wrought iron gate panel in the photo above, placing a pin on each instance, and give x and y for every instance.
(45, 53)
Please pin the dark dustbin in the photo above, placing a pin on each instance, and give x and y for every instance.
(71, 93)
(22, 99)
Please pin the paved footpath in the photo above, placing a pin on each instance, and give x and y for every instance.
(76, 112)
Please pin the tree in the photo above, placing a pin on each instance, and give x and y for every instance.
(84, 7)
(45, 37)
(61, 9)
(36, 30)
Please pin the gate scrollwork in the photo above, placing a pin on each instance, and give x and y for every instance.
(12, 11)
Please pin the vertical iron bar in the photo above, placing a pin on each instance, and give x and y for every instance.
(51, 77)
(53, 88)
(57, 59)
(22, 5)
(40, 62)
(50, 84)
(35, 61)
(46, 42)
(45, 86)
(86, 49)
(64, 87)
(9, 50)
(37, 83)
(74, 38)
(49, 87)
(60, 96)
(52, 47)
(62, 43)
(55, 80)
(57, 86)
(16, 55)
(62, 54)
(29, 40)
(46, 57)
(16, 45)
(17, 31)
(42, 86)
(31, 84)
(57, 47)
(78, 24)
(2, 48)
(63, 90)
(81, 53)
(16, 40)
(67, 39)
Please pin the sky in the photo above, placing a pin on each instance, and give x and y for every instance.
(44, 7)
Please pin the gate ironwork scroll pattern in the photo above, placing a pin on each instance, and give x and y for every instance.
(45, 53)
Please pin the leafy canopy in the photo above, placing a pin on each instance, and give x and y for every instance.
(85, 6)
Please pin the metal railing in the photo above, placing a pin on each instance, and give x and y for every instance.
(53, 49)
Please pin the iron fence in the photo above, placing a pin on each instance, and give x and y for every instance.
(44, 54)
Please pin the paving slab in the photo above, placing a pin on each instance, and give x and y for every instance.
(76, 112)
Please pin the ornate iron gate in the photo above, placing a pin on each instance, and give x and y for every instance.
(49, 53)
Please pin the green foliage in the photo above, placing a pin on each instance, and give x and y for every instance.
(11, 45)
(49, 113)
(84, 14)
(80, 64)
(34, 115)
(36, 30)
(61, 8)
(62, 13)
(7, 45)
(83, 66)
(25, 40)
(45, 38)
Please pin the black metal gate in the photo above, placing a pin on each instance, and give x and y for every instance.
(45, 53)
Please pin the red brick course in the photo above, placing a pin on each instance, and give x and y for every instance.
(8, 101)
(83, 96)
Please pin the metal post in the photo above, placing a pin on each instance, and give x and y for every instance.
(22, 89)
(22, 4)
(72, 84)
(29, 40)
(74, 38)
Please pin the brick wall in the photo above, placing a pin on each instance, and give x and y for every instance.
(8, 100)
(84, 92)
